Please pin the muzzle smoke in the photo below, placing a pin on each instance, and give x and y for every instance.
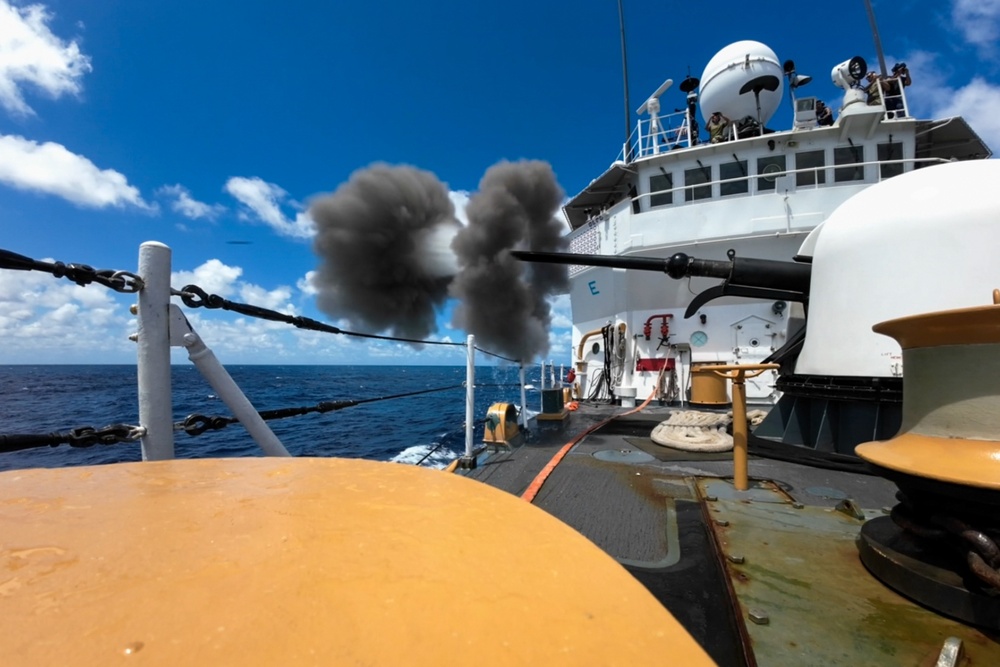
(378, 237)
(391, 253)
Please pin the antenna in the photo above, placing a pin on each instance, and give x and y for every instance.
(756, 85)
(688, 86)
(654, 99)
(628, 119)
(652, 106)
(878, 40)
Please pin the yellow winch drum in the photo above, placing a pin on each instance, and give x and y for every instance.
(708, 388)
(501, 425)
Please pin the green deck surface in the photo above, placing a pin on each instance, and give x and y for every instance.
(802, 572)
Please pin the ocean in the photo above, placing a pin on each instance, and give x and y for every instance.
(426, 428)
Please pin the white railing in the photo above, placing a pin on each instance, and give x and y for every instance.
(661, 134)
(894, 104)
(162, 325)
(656, 135)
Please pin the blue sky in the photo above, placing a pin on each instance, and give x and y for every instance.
(200, 124)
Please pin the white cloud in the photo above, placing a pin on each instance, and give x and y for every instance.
(562, 315)
(52, 169)
(31, 54)
(217, 278)
(935, 95)
(460, 199)
(306, 285)
(46, 316)
(979, 22)
(276, 299)
(213, 276)
(977, 102)
(264, 200)
(187, 206)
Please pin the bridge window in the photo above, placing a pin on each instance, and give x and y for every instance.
(888, 153)
(734, 178)
(848, 161)
(696, 177)
(812, 160)
(662, 184)
(769, 168)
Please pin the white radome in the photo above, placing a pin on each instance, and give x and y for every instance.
(732, 68)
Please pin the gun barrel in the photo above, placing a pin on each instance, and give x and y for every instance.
(741, 271)
(612, 261)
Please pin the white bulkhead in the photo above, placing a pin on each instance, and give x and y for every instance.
(924, 241)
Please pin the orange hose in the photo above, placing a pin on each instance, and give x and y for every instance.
(536, 484)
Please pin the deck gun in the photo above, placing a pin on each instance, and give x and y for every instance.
(741, 276)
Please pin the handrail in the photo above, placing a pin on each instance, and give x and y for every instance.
(903, 110)
(643, 143)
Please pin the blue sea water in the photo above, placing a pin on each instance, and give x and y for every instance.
(44, 399)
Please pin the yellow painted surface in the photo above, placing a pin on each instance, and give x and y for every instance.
(260, 561)
(708, 388)
(964, 326)
(969, 462)
(501, 424)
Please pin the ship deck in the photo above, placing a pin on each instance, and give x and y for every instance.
(767, 576)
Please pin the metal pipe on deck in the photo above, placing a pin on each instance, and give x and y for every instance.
(153, 353)
(524, 401)
(468, 461)
(739, 373)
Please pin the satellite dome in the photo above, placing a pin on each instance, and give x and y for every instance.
(737, 67)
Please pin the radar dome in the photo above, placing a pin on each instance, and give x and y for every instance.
(738, 67)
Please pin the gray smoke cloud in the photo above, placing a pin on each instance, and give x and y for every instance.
(502, 301)
(375, 237)
(391, 253)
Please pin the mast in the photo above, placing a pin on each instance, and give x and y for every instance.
(628, 117)
(878, 41)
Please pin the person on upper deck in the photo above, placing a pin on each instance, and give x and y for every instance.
(716, 127)
(901, 72)
(874, 89)
(824, 116)
(894, 87)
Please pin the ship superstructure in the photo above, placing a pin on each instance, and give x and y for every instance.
(754, 192)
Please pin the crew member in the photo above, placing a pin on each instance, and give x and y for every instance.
(874, 89)
(716, 127)
(894, 87)
(823, 114)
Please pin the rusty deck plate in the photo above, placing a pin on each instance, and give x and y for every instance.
(804, 595)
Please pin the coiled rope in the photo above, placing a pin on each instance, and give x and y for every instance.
(694, 431)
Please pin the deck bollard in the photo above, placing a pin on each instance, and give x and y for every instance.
(738, 374)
